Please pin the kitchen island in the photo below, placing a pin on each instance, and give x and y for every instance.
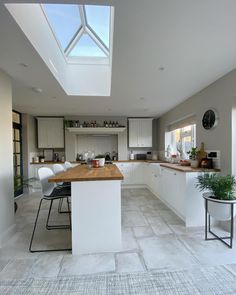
(95, 208)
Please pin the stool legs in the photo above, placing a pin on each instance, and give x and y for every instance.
(49, 227)
(35, 224)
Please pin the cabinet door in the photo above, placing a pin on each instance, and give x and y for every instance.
(56, 133)
(42, 133)
(140, 132)
(138, 173)
(173, 184)
(50, 133)
(145, 133)
(133, 133)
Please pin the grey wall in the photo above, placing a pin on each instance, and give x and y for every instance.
(6, 160)
(220, 96)
(234, 137)
(29, 143)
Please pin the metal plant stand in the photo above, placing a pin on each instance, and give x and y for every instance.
(208, 225)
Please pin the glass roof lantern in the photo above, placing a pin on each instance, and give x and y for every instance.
(80, 30)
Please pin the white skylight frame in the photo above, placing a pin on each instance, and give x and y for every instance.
(85, 27)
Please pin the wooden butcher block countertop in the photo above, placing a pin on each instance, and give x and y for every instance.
(84, 173)
(186, 168)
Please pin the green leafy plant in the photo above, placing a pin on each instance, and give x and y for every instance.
(221, 187)
(193, 153)
(100, 157)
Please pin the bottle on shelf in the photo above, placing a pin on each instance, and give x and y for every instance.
(117, 124)
(106, 124)
(110, 124)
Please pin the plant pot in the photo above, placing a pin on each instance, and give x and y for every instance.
(194, 163)
(219, 209)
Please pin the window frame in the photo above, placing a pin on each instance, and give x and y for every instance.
(85, 28)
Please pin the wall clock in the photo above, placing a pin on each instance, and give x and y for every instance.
(210, 119)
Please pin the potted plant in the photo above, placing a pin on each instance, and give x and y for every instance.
(220, 193)
(101, 160)
(193, 157)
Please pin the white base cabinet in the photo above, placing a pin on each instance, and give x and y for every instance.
(133, 173)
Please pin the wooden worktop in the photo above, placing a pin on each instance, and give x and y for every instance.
(117, 161)
(186, 168)
(84, 173)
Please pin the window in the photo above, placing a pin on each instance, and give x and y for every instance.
(81, 30)
(181, 140)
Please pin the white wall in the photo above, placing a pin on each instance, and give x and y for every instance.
(220, 96)
(6, 160)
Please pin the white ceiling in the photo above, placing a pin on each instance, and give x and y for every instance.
(193, 40)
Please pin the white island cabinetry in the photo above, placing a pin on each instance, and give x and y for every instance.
(178, 191)
(175, 188)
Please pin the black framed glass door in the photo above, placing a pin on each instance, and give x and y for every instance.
(17, 153)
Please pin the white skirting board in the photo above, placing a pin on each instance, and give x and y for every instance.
(96, 216)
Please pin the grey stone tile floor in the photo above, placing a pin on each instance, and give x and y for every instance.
(153, 238)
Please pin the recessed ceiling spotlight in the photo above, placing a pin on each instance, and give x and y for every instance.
(37, 90)
(161, 68)
(23, 65)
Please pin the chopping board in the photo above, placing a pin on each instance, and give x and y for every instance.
(201, 153)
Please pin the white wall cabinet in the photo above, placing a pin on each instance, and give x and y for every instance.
(50, 133)
(140, 132)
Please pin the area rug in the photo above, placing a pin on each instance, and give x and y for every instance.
(204, 280)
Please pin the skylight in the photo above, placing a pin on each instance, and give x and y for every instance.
(81, 30)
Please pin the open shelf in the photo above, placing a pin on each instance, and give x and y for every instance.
(96, 130)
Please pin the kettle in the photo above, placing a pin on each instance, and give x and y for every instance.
(79, 157)
(107, 157)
